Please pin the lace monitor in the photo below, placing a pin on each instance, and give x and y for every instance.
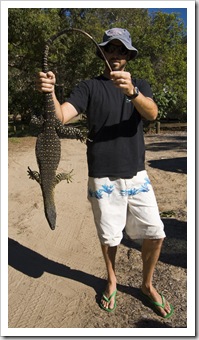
(48, 146)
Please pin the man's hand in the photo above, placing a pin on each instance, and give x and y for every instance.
(144, 105)
(122, 80)
(45, 82)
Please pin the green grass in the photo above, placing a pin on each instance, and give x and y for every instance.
(167, 213)
(14, 140)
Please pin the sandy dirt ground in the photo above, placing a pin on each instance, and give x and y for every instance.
(56, 277)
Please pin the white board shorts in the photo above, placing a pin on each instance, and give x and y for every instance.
(124, 203)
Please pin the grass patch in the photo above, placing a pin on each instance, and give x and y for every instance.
(167, 213)
(14, 140)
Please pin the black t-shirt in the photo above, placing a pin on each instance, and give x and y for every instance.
(115, 146)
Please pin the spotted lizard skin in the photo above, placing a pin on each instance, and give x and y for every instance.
(48, 151)
(48, 147)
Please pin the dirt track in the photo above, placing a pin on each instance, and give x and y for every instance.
(56, 276)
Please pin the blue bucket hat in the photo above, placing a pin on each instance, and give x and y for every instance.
(122, 35)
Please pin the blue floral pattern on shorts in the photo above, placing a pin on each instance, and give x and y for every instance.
(108, 189)
(134, 191)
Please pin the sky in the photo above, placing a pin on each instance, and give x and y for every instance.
(182, 12)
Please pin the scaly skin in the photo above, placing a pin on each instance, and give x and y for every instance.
(48, 153)
(48, 148)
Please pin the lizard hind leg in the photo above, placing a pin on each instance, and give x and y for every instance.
(64, 176)
(34, 175)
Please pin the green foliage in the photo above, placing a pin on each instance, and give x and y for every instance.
(166, 102)
(160, 40)
(28, 29)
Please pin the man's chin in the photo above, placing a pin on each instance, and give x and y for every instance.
(115, 63)
(116, 66)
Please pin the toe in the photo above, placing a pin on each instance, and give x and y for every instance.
(164, 311)
(155, 297)
(107, 304)
(167, 307)
(108, 300)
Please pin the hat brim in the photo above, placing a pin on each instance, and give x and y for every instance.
(133, 50)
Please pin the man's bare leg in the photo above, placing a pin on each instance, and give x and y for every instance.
(150, 255)
(109, 254)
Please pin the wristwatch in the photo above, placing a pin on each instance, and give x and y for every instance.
(136, 93)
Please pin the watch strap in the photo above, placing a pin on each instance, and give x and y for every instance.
(135, 94)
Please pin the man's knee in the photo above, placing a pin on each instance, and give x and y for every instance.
(155, 243)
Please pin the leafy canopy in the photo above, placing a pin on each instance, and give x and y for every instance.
(160, 39)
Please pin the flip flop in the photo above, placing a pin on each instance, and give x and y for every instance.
(162, 305)
(109, 300)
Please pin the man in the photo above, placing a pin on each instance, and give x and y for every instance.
(118, 187)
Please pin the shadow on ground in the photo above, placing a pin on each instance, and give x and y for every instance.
(174, 249)
(174, 143)
(33, 264)
(178, 165)
(151, 323)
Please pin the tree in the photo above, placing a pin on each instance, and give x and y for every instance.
(28, 29)
(163, 61)
(160, 40)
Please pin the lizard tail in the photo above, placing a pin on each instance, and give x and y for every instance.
(50, 213)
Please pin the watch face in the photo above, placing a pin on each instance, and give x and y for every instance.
(135, 94)
(136, 91)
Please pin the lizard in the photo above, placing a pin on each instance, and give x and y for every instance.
(48, 146)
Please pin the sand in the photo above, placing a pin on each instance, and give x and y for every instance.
(56, 277)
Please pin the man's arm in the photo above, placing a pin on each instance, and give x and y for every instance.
(45, 83)
(144, 105)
